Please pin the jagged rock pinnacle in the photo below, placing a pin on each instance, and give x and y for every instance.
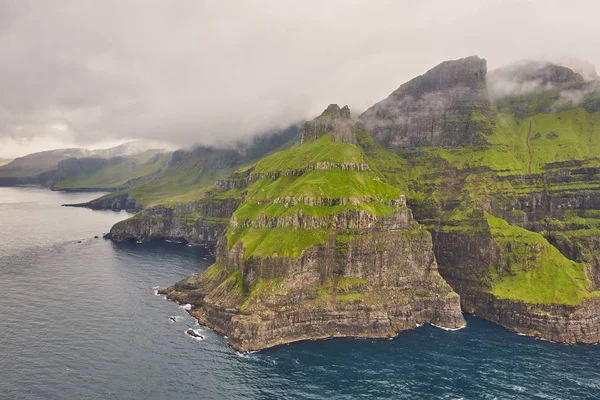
(335, 121)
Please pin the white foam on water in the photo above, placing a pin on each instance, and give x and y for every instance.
(247, 354)
(186, 307)
(450, 329)
(139, 242)
(546, 340)
(419, 325)
(156, 287)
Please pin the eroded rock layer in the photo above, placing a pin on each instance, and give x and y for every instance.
(316, 252)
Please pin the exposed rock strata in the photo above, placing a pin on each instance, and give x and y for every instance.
(448, 106)
(364, 272)
(382, 281)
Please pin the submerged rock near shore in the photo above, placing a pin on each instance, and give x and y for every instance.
(320, 247)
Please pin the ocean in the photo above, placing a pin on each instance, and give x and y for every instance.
(80, 319)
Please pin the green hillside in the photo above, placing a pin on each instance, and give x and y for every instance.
(329, 182)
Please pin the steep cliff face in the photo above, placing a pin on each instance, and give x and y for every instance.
(321, 246)
(537, 272)
(317, 241)
(198, 223)
(448, 106)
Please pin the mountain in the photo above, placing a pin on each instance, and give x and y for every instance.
(318, 238)
(513, 212)
(190, 172)
(4, 161)
(29, 167)
(488, 183)
(82, 169)
(447, 107)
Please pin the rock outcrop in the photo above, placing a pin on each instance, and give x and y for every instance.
(448, 106)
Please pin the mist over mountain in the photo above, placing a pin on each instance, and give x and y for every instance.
(211, 73)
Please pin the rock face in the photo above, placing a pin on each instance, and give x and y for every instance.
(335, 121)
(197, 223)
(302, 261)
(448, 106)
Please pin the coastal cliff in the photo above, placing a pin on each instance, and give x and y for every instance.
(502, 175)
(320, 247)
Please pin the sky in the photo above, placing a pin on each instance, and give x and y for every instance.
(97, 73)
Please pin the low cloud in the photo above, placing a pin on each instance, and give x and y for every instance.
(76, 73)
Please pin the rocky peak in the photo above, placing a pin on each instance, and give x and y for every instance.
(447, 106)
(469, 72)
(335, 121)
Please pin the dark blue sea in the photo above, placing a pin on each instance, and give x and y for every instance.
(79, 319)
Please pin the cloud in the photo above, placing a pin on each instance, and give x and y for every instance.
(193, 71)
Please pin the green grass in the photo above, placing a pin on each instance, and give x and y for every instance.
(349, 297)
(281, 241)
(324, 184)
(233, 283)
(269, 285)
(514, 148)
(301, 156)
(115, 175)
(287, 195)
(537, 272)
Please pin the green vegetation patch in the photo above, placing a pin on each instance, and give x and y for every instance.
(116, 175)
(282, 241)
(536, 272)
(324, 184)
(301, 156)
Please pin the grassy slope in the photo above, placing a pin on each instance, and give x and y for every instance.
(515, 148)
(186, 181)
(536, 271)
(453, 187)
(287, 195)
(119, 174)
(30, 167)
(183, 182)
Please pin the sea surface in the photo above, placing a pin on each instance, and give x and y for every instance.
(79, 319)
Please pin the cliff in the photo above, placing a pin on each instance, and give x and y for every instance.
(448, 106)
(505, 181)
(321, 246)
(514, 219)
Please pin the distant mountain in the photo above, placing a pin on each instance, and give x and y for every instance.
(74, 168)
(4, 161)
(191, 171)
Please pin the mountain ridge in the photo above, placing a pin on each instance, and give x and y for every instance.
(506, 188)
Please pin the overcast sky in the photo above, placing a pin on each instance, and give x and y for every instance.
(93, 73)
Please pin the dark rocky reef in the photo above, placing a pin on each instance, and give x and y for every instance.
(448, 106)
